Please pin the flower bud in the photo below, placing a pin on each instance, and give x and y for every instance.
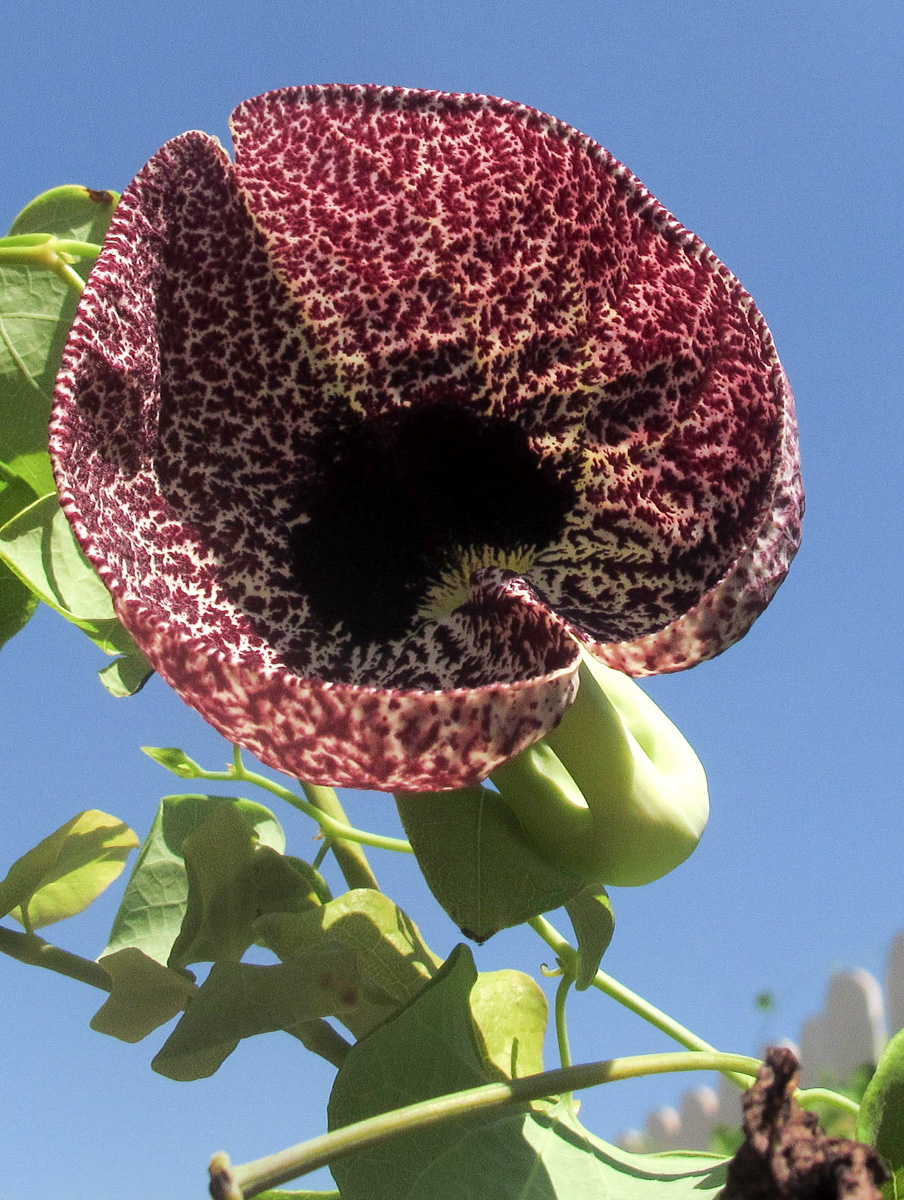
(614, 794)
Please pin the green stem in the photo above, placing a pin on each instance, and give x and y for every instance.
(349, 854)
(630, 1000)
(336, 827)
(25, 246)
(69, 276)
(810, 1097)
(561, 1021)
(562, 1024)
(29, 948)
(53, 253)
(250, 1179)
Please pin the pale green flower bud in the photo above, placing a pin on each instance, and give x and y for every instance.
(614, 794)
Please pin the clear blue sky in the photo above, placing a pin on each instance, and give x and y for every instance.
(771, 129)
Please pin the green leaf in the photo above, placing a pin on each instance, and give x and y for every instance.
(79, 213)
(231, 882)
(520, 1153)
(153, 906)
(594, 924)
(881, 1119)
(239, 1000)
(17, 603)
(67, 870)
(126, 675)
(510, 1012)
(145, 995)
(394, 960)
(38, 545)
(36, 311)
(478, 863)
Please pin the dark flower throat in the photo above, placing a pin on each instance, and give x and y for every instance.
(393, 499)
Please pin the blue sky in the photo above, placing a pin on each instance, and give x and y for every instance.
(770, 129)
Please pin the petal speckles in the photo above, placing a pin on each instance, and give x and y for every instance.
(363, 429)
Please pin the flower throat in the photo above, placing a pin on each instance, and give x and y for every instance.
(399, 502)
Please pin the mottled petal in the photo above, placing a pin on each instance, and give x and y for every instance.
(190, 396)
(729, 608)
(360, 429)
(468, 246)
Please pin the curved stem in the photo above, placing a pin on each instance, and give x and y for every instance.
(337, 828)
(561, 1022)
(630, 1000)
(29, 948)
(243, 1182)
(810, 1097)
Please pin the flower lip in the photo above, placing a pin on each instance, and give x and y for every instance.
(378, 252)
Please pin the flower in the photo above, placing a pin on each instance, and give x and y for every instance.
(363, 430)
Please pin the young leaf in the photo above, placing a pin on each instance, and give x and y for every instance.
(881, 1119)
(394, 960)
(67, 870)
(174, 760)
(594, 924)
(36, 310)
(153, 906)
(477, 862)
(239, 1000)
(145, 995)
(537, 1154)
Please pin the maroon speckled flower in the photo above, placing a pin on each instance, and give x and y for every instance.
(361, 429)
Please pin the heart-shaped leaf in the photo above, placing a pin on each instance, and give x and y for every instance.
(232, 881)
(478, 863)
(533, 1153)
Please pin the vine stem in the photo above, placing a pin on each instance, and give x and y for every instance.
(349, 854)
(808, 1097)
(29, 948)
(334, 826)
(250, 1179)
(630, 1000)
